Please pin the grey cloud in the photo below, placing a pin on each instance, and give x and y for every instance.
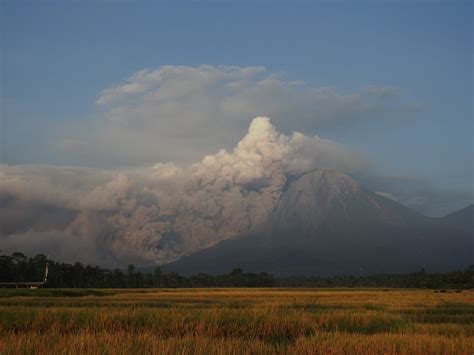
(158, 213)
(59, 244)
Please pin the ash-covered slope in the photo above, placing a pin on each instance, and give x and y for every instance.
(326, 223)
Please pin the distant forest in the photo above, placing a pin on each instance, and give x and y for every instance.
(20, 268)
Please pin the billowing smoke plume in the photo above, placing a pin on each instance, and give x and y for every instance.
(160, 213)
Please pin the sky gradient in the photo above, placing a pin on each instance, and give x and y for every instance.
(392, 81)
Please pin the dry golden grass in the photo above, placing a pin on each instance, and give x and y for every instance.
(236, 321)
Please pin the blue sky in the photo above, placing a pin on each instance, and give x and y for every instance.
(58, 58)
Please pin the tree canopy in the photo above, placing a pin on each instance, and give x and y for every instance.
(20, 268)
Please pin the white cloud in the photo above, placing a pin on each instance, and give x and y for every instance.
(169, 82)
(180, 113)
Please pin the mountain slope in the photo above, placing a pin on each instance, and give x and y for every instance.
(325, 197)
(326, 223)
(462, 219)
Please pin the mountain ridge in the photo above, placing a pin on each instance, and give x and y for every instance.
(326, 223)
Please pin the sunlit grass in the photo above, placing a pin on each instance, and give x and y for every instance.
(236, 321)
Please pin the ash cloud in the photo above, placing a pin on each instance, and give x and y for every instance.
(181, 113)
(158, 213)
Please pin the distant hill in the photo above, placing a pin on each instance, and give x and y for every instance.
(463, 219)
(327, 224)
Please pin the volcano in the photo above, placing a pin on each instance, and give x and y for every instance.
(325, 223)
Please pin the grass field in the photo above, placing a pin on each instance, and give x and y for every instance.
(227, 321)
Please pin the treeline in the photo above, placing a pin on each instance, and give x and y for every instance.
(459, 279)
(20, 268)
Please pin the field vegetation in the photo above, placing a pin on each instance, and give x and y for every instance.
(234, 321)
